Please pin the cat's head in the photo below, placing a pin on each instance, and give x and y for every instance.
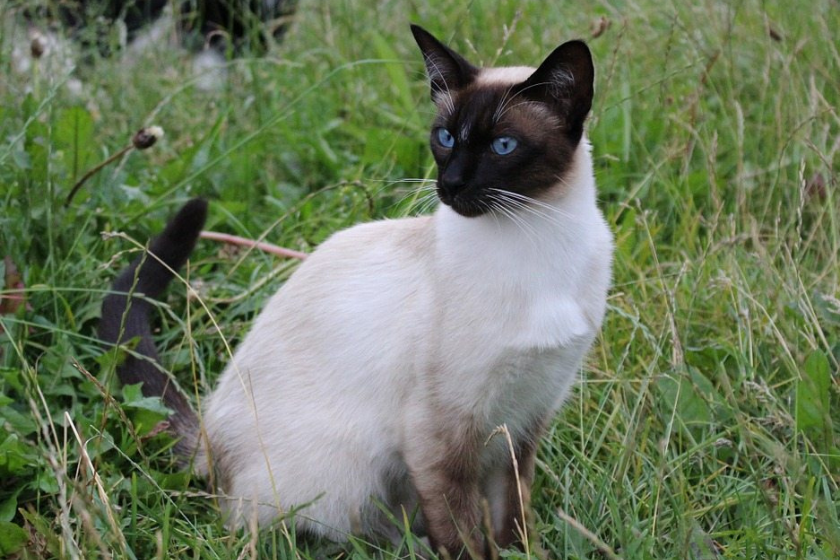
(505, 130)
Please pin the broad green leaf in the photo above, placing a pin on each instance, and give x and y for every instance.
(692, 396)
(21, 422)
(9, 507)
(145, 412)
(812, 398)
(12, 538)
(133, 398)
(74, 133)
(15, 456)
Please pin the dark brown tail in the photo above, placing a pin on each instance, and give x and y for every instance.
(126, 316)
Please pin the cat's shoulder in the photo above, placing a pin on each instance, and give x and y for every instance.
(389, 238)
(382, 232)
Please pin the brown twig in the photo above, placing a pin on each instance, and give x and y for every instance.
(93, 171)
(244, 242)
(143, 139)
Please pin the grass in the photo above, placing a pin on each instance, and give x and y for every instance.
(702, 427)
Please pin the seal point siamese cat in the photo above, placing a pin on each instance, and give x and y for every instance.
(374, 379)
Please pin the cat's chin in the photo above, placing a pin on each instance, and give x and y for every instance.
(467, 209)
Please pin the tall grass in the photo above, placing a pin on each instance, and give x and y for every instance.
(705, 423)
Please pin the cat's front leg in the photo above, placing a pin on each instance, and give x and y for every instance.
(444, 467)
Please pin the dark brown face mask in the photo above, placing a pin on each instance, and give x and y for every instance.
(492, 138)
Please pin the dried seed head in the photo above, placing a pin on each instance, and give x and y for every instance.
(146, 137)
(599, 26)
(37, 46)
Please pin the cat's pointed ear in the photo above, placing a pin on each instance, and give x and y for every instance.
(447, 70)
(565, 81)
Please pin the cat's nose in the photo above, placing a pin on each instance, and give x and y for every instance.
(452, 184)
(453, 177)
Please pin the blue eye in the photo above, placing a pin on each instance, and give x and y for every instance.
(503, 145)
(445, 138)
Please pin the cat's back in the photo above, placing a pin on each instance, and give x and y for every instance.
(382, 257)
(342, 321)
(399, 240)
(329, 359)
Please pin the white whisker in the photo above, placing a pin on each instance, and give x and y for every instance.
(405, 180)
(450, 104)
(527, 202)
(419, 193)
(514, 106)
(500, 205)
(502, 110)
(426, 203)
(497, 114)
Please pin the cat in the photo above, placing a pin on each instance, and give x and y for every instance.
(373, 381)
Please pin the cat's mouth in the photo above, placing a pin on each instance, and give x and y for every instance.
(467, 206)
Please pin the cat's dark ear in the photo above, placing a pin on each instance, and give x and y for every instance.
(447, 70)
(565, 81)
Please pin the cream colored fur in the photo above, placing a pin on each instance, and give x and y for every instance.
(386, 330)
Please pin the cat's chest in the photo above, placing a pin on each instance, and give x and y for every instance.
(513, 307)
(522, 291)
(510, 348)
(514, 322)
(524, 386)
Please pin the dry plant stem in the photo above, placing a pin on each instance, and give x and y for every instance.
(59, 468)
(523, 529)
(110, 401)
(100, 488)
(242, 241)
(603, 547)
(93, 171)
